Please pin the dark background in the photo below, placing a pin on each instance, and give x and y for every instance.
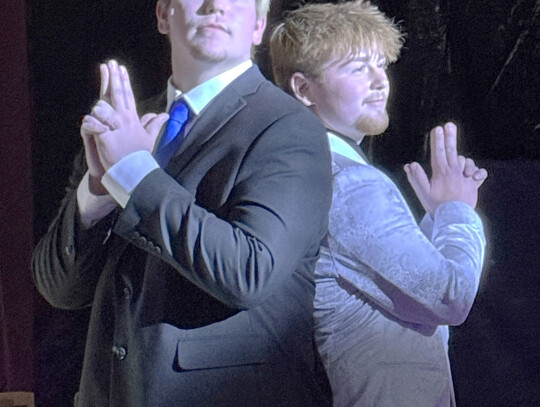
(474, 62)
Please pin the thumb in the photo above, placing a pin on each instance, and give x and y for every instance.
(417, 177)
(419, 182)
(146, 118)
(154, 124)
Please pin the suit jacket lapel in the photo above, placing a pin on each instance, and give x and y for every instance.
(218, 112)
(211, 120)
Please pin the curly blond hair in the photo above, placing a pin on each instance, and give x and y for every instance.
(312, 37)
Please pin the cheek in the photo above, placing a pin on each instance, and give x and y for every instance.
(245, 27)
(353, 93)
(345, 99)
(354, 97)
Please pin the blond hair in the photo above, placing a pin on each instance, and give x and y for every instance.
(316, 35)
(262, 6)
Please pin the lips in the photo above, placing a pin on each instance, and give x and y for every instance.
(214, 26)
(376, 99)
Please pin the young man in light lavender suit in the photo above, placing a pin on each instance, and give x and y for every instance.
(387, 288)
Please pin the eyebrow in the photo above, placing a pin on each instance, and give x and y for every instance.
(364, 58)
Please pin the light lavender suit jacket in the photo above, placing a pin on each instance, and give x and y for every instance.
(387, 288)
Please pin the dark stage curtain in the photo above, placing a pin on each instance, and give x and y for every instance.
(16, 121)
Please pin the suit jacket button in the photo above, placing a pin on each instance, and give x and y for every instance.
(68, 249)
(136, 234)
(157, 249)
(120, 352)
(127, 293)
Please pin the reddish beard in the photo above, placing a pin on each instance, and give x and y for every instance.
(373, 125)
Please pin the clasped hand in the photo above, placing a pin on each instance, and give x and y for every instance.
(454, 177)
(113, 129)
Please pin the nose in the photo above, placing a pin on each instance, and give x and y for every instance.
(379, 78)
(214, 6)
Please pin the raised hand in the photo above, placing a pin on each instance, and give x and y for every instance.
(116, 111)
(454, 177)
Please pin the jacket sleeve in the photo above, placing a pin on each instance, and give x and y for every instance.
(67, 261)
(382, 251)
(272, 219)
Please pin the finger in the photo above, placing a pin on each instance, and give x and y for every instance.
(154, 124)
(480, 175)
(105, 113)
(90, 125)
(461, 163)
(450, 144)
(129, 99)
(88, 142)
(104, 91)
(90, 149)
(438, 153)
(115, 83)
(470, 168)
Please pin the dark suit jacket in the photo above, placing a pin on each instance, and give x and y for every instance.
(202, 294)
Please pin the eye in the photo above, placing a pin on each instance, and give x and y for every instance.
(382, 63)
(360, 68)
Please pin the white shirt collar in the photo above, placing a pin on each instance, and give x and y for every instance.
(199, 97)
(339, 146)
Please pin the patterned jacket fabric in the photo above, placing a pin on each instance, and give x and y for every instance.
(387, 288)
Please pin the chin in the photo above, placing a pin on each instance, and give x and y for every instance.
(208, 55)
(373, 126)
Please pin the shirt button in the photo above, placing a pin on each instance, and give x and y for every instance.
(127, 293)
(120, 352)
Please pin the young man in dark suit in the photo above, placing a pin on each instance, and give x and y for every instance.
(197, 254)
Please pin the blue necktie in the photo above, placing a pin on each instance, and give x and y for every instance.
(173, 135)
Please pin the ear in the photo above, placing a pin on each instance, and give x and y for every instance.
(258, 32)
(162, 15)
(301, 86)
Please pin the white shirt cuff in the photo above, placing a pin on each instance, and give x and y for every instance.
(92, 208)
(122, 178)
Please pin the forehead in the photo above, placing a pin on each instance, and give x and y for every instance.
(364, 54)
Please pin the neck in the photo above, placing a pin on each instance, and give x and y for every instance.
(187, 75)
(356, 138)
(359, 139)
